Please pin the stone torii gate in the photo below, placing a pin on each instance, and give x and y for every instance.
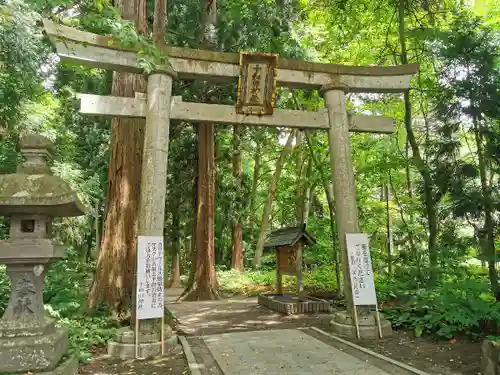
(255, 107)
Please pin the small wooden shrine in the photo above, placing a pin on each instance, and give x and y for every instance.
(288, 243)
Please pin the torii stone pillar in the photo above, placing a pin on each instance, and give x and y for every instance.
(155, 153)
(152, 207)
(344, 190)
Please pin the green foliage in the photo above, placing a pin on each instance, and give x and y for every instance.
(245, 283)
(22, 54)
(4, 289)
(87, 333)
(256, 282)
(101, 17)
(320, 279)
(463, 306)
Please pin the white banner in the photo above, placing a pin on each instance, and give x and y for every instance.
(360, 269)
(150, 286)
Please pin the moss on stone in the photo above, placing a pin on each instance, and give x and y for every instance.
(36, 141)
(20, 189)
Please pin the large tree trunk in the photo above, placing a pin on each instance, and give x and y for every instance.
(195, 216)
(94, 253)
(488, 232)
(160, 21)
(237, 224)
(300, 189)
(429, 199)
(328, 188)
(336, 249)
(303, 193)
(204, 282)
(175, 274)
(306, 201)
(390, 239)
(114, 278)
(270, 198)
(253, 198)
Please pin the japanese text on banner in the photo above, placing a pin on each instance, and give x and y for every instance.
(360, 269)
(150, 287)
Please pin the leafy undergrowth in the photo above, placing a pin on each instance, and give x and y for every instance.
(451, 308)
(252, 283)
(64, 297)
(248, 283)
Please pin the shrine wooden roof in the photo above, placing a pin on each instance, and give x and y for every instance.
(289, 236)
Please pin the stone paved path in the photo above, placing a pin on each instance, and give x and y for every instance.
(233, 315)
(278, 352)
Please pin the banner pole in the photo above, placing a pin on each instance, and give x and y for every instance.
(136, 338)
(356, 322)
(378, 321)
(163, 334)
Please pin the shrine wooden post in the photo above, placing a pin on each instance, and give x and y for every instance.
(159, 108)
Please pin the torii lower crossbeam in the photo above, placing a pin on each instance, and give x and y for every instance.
(113, 106)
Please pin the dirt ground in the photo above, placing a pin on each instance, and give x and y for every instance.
(174, 363)
(244, 314)
(426, 354)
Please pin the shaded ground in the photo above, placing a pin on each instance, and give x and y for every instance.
(174, 363)
(244, 314)
(234, 314)
(442, 357)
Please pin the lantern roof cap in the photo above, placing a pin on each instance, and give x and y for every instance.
(33, 189)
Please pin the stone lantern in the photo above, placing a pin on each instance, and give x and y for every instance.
(31, 197)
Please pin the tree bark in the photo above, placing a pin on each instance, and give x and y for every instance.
(306, 202)
(488, 243)
(300, 189)
(160, 21)
(237, 224)
(114, 279)
(429, 199)
(195, 205)
(204, 284)
(253, 198)
(175, 274)
(270, 198)
(390, 241)
(194, 222)
(328, 188)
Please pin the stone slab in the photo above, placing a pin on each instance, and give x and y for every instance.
(32, 353)
(383, 362)
(277, 352)
(289, 304)
(343, 325)
(365, 332)
(126, 335)
(146, 350)
(9, 331)
(194, 366)
(68, 366)
(490, 359)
